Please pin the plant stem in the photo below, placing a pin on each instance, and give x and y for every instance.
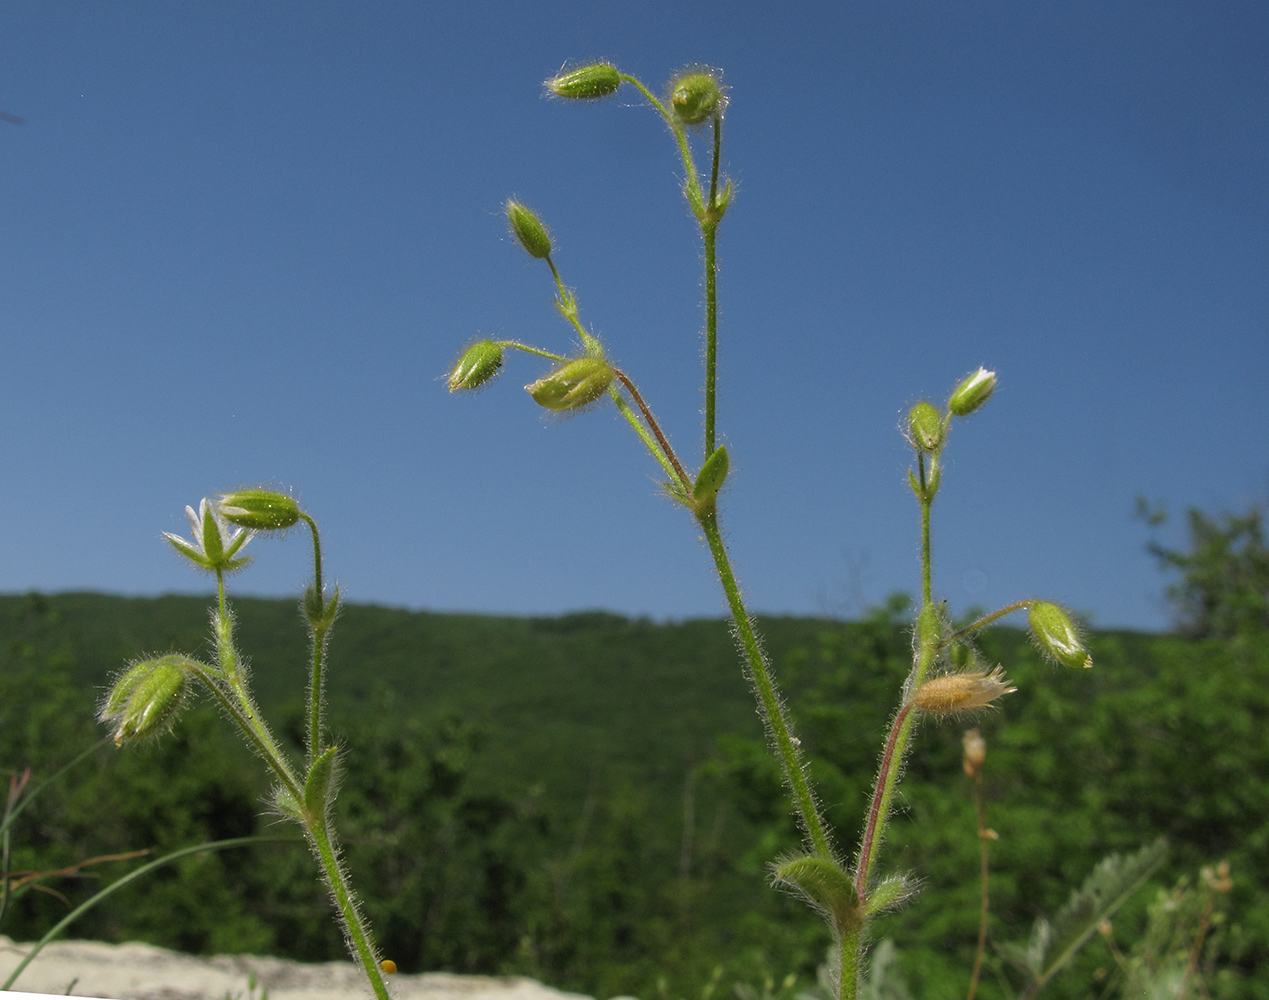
(887, 775)
(653, 426)
(773, 711)
(319, 627)
(980, 806)
(926, 502)
(357, 933)
(709, 231)
(987, 620)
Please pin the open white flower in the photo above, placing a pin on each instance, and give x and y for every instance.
(215, 546)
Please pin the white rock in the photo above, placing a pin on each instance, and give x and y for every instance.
(143, 972)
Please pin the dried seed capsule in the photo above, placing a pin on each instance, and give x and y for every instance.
(952, 694)
(575, 384)
(586, 83)
(476, 365)
(528, 229)
(1056, 636)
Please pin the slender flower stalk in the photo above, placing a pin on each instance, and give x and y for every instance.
(147, 695)
(847, 897)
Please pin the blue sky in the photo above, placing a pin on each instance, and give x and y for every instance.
(239, 244)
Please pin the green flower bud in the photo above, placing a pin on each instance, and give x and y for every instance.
(259, 510)
(1056, 636)
(528, 229)
(476, 365)
(575, 384)
(972, 393)
(696, 97)
(710, 479)
(146, 698)
(926, 429)
(586, 83)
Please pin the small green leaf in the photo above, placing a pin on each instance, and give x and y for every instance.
(286, 804)
(825, 885)
(710, 479)
(317, 787)
(888, 893)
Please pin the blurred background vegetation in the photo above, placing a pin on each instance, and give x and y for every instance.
(588, 799)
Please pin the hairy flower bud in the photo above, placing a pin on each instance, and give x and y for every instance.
(952, 694)
(586, 83)
(146, 698)
(259, 510)
(972, 393)
(926, 429)
(1056, 636)
(476, 365)
(696, 97)
(528, 229)
(575, 384)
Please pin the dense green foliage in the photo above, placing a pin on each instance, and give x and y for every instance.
(517, 801)
(1223, 591)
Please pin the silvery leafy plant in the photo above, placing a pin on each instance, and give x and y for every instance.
(947, 678)
(147, 696)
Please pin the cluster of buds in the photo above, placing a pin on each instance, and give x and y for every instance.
(927, 427)
(215, 545)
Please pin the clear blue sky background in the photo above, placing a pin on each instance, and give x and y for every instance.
(239, 242)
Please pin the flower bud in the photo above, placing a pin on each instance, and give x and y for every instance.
(926, 429)
(696, 97)
(476, 365)
(575, 384)
(146, 698)
(952, 694)
(586, 83)
(528, 229)
(1056, 636)
(259, 510)
(972, 393)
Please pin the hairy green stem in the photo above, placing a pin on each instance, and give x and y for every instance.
(662, 442)
(319, 627)
(358, 935)
(709, 231)
(986, 620)
(768, 696)
(267, 750)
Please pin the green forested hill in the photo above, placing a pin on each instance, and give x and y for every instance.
(557, 693)
(587, 798)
